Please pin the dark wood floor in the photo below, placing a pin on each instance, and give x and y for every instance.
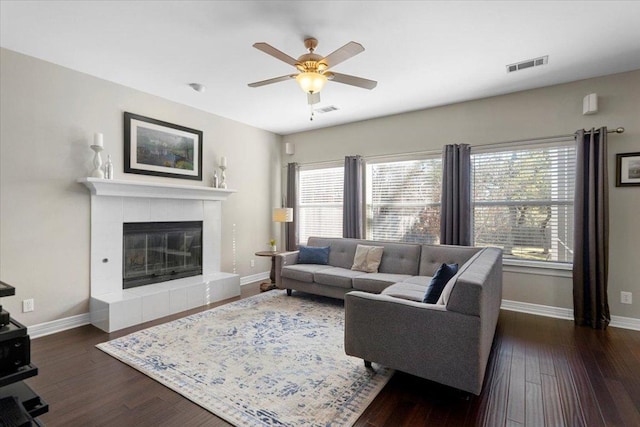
(542, 372)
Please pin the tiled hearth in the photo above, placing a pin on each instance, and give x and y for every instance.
(114, 202)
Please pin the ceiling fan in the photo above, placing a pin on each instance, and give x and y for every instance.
(313, 68)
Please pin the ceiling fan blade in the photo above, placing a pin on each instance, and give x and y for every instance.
(353, 80)
(270, 50)
(342, 54)
(273, 80)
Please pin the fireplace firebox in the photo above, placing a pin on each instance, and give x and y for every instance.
(156, 252)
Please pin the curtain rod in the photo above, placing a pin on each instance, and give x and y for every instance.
(544, 138)
(430, 152)
(376, 157)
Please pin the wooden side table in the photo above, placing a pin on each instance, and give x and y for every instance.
(267, 286)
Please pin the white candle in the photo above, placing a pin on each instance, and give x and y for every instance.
(97, 140)
(223, 162)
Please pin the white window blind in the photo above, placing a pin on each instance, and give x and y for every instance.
(523, 201)
(403, 201)
(320, 203)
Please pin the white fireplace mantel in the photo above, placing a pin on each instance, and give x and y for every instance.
(121, 188)
(116, 202)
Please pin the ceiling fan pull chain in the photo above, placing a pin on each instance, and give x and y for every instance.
(312, 112)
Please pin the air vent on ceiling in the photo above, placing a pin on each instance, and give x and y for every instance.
(529, 63)
(328, 109)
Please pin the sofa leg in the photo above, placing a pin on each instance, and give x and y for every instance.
(367, 364)
(289, 292)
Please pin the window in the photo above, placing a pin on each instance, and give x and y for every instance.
(403, 201)
(320, 202)
(523, 201)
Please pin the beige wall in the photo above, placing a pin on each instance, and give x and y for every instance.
(48, 115)
(535, 113)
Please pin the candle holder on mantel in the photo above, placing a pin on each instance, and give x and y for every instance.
(97, 162)
(223, 177)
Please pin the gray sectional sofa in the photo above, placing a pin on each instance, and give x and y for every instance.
(400, 261)
(386, 322)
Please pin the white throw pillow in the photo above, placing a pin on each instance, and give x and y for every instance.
(367, 258)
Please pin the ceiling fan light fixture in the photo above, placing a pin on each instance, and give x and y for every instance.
(311, 82)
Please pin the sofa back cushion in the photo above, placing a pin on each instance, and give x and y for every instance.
(446, 292)
(397, 258)
(433, 256)
(477, 290)
(400, 258)
(341, 252)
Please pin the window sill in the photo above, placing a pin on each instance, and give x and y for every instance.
(557, 269)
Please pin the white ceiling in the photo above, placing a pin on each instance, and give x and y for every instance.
(423, 54)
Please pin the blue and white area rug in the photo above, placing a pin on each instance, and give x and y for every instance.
(268, 360)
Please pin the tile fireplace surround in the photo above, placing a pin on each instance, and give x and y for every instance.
(114, 202)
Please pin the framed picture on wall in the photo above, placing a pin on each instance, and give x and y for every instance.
(628, 169)
(154, 147)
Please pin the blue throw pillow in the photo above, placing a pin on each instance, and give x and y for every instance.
(313, 255)
(438, 282)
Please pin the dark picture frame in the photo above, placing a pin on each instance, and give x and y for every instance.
(628, 169)
(155, 147)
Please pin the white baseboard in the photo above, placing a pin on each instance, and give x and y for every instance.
(537, 309)
(565, 313)
(254, 278)
(48, 328)
(625, 322)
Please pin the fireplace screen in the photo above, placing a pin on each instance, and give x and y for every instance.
(160, 251)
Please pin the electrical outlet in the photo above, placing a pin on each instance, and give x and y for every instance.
(27, 305)
(626, 297)
(252, 263)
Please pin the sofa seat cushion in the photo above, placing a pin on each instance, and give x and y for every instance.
(406, 290)
(336, 276)
(302, 272)
(377, 282)
(419, 280)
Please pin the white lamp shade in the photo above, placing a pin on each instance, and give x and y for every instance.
(282, 214)
(311, 82)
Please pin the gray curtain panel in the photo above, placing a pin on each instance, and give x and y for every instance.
(591, 230)
(291, 229)
(455, 208)
(352, 223)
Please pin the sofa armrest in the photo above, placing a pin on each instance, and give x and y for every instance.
(478, 289)
(282, 259)
(426, 340)
(383, 318)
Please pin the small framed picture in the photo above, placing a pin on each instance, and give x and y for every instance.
(627, 169)
(154, 147)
